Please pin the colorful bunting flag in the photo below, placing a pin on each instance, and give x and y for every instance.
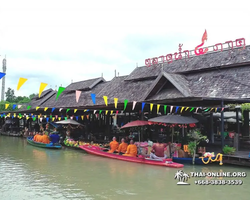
(78, 94)
(94, 111)
(60, 90)
(28, 107)
(37, 108)
(105, 100)
(222, 109)
(87, 116)
(53, 118)
(115, 102)
(42, 87)
(21, 82)
(191, 109)
(100, 111)
(2, 75)
(165, 109)
(107, 112)
(158, 107)
(6, 106)
(75, 110)
(186, 108)
(53, 109)
(117, 112)
(182, 109)
(71, 117)
(151, 107)
(134, 103)
(67, 110)
(176, 109)
(14, 106)
(19, 106)
(60, 109)
(77, 118)
(56, 116)
(142, 106)
(47, 119)
(59, 118)
(93, 98)
(171, 108)
(111, 112)
(65, 118)
(197, 110)
(45, 109)
(125, 104)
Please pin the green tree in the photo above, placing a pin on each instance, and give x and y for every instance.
(10, 95)
(32, 96)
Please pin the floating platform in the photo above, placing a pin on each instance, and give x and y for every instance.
(240, 158)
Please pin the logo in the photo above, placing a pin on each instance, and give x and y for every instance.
(182, 177)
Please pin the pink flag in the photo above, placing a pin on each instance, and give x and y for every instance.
(56, 116)
(222, 109)
(78, 94)
(71, 117)
(171, 108)
(134, 102)
(117, 112)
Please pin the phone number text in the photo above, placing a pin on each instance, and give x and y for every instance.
(218, 182)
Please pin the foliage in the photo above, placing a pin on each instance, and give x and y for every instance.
(232, 106)
(10, 95)
(228, 150)
(192, 147)
(244, 107)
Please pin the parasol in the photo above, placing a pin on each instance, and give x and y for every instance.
(69, 121)
(174, 119)
(135, 123)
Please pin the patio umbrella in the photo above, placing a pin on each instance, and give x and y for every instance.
(135, 123)
(174, 119)
(69, 121)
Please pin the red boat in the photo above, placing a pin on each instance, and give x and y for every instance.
(98, 151)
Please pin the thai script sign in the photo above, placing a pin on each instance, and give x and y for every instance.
(199, 50)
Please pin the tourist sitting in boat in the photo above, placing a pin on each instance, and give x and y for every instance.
(131, 150)
(113, 145)
(39, 138)
(54, 137)
(158, 151)
(122, 147)
(45, 139)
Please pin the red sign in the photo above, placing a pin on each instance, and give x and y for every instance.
(169, 58)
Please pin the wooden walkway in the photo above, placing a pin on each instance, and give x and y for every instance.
(240, 158)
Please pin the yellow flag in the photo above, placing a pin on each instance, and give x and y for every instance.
(45, 108)
(158, 107)
(82, 117)
(115, 102)
(45, 116)
(107, 112)
(21, 82)
(14, 114)
(53, 118)
(105, 100)
(6, 106)
(211, 109)
(182, 109)
(42, 87)
(111, 112)
(151, 106)
(187, 108)
(59, 118)
(37, 108)
(75, 110)
(85, 110)
(27, 117)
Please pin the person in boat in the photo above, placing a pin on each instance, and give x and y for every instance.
(54, 137)
(39, 137)
(122, 147)
(45, 138)
(158, 150)
(113, 145)
(36, 137)
(131, 150)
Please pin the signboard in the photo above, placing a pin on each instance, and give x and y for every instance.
(199, 50)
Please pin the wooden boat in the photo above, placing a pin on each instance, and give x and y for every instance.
(99, 152)
(198, 161)
(11, 134)
(42, 145)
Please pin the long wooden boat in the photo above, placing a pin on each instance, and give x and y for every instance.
(42, 145)
(99, 152)
(198, 161)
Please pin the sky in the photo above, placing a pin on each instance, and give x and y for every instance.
(57, 41)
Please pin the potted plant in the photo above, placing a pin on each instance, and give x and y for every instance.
(228, 150)
(196, 137)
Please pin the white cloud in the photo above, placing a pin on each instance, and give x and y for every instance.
(62, 40)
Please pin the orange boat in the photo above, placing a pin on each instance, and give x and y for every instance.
(99, 152)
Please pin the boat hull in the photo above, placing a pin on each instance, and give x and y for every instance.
(198, 161)
(42, 145)
(98, 151)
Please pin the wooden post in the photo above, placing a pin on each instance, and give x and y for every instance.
(236, 136)
(222, 126)
(246, 122)
(211, 128)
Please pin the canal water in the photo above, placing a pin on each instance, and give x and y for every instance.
(28, 172)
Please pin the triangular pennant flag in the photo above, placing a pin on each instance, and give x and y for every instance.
(77, 118)
(216, 109)
(165, 109)
(105, 100)
(117, 112)
(206, 110)
(111, 112)
(222, 109)
(60, 109)
(6, 106)
(191, 109)
(67, 110)
(65, 118)
(2, 75)
(176, 109)
(151, 107)
(87, 116)
(94, 111)
(50, 116)
(56, 116)
(37, 108)
(53, 118)
(14, 114)
(142, 106)
(96, 115)
(71, 117)
(182, 109)
(134, 103)
(186, 108)
(100, 111)
(107, 112)
(115, 102)
(197, 110)
(34, 118)
(158, 107)
(125, 104)
(60, 90)
(14, 106)
(75, 110)
(45, 109)
(59, 118)
(42, 87)
(47, 119)
(78, 94)
(211, 109)
(27, 117)
(85, 110)
(53, 109)
(21, 82)
(82, 117)
(19, 106)
(171, 108)
(93, 98)
(28, 107)
(45, 116)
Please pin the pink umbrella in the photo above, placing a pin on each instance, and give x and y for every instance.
(135, 123)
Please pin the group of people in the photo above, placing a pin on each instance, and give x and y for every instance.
(125, 149)
(46, 139)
